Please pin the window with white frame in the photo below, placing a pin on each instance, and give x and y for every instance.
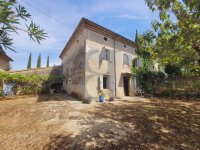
(104, 84)
(125, 59)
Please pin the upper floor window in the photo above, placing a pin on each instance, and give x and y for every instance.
(105, 39)
(125, 59)
(124, 46)
(137, 63)
(105, 54)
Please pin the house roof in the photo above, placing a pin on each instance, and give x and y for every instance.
(87, 24)
(3, 53)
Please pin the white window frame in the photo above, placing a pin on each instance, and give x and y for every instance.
(102, 82)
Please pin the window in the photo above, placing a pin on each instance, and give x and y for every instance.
(124, 46)
(125, 59)
(105, 82)
(105, 39)
(105, 54)
(137, 63)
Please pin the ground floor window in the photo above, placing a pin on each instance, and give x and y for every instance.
(105, 82)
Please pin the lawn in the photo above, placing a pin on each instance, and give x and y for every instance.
(60, 122)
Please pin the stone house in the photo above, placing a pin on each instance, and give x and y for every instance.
(96, 59)
(4, 60)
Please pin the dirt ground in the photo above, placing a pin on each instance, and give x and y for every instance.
(61, 122)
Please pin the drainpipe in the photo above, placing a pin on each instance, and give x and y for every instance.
(115, 68)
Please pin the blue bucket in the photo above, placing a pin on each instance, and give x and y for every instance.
(101, 98)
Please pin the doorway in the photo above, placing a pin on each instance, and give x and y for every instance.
(126, 85)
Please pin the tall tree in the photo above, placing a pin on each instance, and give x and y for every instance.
(39, 61)
(12, 15)
(136, 37)
(175, 37)
(48, 61)
(29, 61)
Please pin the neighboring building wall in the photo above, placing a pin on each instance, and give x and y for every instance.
(73, 62)
(95, 66)
(46, 71)
(3, 63)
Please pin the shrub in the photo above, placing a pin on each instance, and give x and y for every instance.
(28, 84)
(150, 80)
(173, 69)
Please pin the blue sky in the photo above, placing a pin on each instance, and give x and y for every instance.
(121, 16)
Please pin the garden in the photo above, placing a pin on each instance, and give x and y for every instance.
(20, 84)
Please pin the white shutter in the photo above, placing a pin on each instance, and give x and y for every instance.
(101, 82)
(130, 60)
(137, 62)
(140, 63)
(103, 54)
(108, 54)
(124, 59)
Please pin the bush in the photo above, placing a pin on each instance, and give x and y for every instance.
(28, 84)
(176, 94)
(150, 80)
(173, 69)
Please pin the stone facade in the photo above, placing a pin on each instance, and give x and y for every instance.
(96, 59)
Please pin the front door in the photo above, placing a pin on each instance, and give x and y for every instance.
(126, 85)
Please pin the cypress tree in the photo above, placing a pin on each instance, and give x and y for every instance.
(136, 37)
(39, 61)
(29, 61)
(48, 61)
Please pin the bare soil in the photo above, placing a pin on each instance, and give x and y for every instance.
(61, 122)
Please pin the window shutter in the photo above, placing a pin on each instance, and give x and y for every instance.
(139, 63)
(124, 59)
(103, 54)
(101, 82)
(130, 60)
(108, 53)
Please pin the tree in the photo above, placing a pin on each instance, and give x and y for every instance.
(39, 61)
(136, 37)
(48, 61)
(172, 69)
(144, 50)
(175, 41)
(29, 61)
(12, 15)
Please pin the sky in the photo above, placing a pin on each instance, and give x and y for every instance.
(59, 19)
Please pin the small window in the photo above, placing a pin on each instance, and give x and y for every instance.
(105, 39)
(124, 46)
(125, 59)
(77, 41)
(105, 82)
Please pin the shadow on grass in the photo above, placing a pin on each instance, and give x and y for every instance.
(136, 125)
